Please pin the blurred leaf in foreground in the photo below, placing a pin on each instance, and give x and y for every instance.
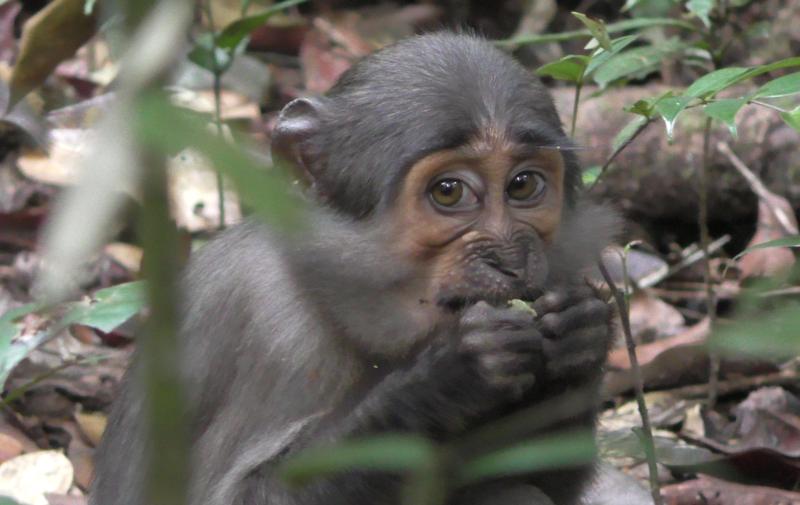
(384, 452)
(167, 128)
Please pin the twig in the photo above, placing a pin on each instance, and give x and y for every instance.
(736, 385)
(616, 152)
(647, 432)
(216, 71)
(21, 390)
(768, 106)
(575, 103)
(758, 187)
(705, 243)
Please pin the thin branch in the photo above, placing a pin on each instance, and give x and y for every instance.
(617, 151)
(758, 187)
(647, 431)
(768, 106)
(705, 241)
(575, 103)
(217, 72)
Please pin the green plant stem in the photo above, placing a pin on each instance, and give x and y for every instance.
(217, 111)
(768, 106)
(577, 100)
(18, 392)
(158, 367)
(705, 240)
(218, 122)
(647, 431)
(617, 151)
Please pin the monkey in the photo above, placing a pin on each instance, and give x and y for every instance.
(440, 185)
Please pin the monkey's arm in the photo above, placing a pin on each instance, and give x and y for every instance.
(450, 386)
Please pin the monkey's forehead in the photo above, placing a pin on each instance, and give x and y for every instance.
(419, 96)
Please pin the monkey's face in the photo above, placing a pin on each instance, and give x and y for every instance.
(478, 220)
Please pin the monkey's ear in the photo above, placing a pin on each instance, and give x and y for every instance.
(298, 122)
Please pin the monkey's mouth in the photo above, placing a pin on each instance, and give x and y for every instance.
(486, 279)
(455, 302)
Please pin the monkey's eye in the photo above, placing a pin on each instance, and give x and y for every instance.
(526, 186)
(448, 192)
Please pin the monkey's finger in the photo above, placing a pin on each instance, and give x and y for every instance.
(560, 299)
(584, 350)
(484, 316)
(591, 312)
(527, 340)
(514, 385)
(504, 364)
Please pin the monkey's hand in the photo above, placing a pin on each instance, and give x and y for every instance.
(576, 325)
(505, 347)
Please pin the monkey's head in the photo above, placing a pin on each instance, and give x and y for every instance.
(453, 148)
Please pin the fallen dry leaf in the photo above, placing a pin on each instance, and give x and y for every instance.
(61, 20)
(65, 499)
(652, 318)
(92, 425)
(193, 193)
(710, 491)
(10, 447)
(774, 260)
(27, 478)
(322, 63)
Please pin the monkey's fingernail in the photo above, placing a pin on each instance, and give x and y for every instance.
(470, 236)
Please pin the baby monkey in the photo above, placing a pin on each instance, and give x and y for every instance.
(442, 186)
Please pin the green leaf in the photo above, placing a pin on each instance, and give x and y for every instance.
(553, 451)
(714, 82)
(385, 452)
(590, 175)
(204, 54)
(601, 55)
(782, 86)
(637, 62)
(642, 107)
(232, 35)
(773, 334)
(569, 68)
(5, 500)
(109, 307)
(51, 36)
(630, 4)
(792, 118)
(88, 7)
(702, 9)
(619, 26)
(790, 241)
(725, 111)
(669, 108)
(597, 29)
(20, 348)
(8, 324)
(168, 129)
(628, 131)
(771, 67)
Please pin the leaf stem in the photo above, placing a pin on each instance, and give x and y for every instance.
(646, 431)
(617, 151)
(577, 100)
(217, 72)
(705, 240)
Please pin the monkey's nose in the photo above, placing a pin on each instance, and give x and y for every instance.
(506, 268)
